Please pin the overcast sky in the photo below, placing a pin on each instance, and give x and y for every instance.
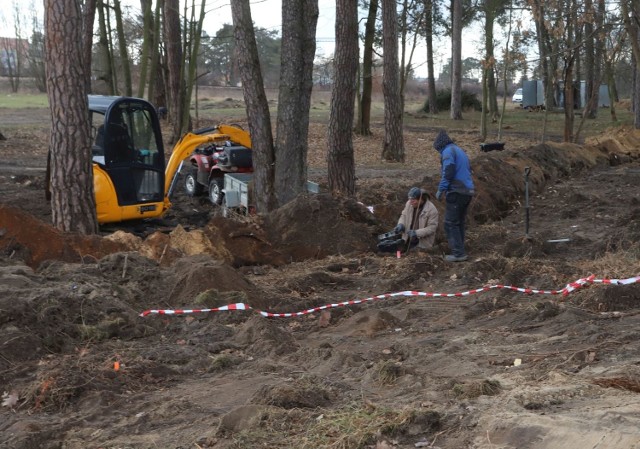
(267, 14)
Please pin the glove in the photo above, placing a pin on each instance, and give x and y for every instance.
(439, 194)
(399, 229)
(412, 234)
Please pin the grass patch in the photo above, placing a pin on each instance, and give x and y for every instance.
(355, 426)
(476, 389)
(213, 298)
(21, 101)
(222, 362)
(387, 372)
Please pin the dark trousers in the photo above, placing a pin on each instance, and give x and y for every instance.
(454, 221)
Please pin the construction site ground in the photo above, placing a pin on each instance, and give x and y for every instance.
(494, 367)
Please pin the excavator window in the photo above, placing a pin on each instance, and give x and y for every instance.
(133, 153)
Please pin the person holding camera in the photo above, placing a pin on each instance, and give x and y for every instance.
(418, 221)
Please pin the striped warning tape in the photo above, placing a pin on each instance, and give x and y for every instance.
(571, 287)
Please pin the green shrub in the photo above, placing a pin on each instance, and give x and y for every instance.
(443, 101)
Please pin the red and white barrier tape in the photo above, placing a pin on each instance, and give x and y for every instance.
(571, 287)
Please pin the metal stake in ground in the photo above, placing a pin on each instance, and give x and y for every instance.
(527, 170)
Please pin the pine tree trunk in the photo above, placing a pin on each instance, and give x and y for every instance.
(393, 146)
(341, 164)
(89, 14)
(299, 19)
(257, 106)
(174, 65)
(431, 78)
(122, 49)
(157, 92)
(456, 60)
(147, 43)
(105, 70)
(488, 71)
(72, 202)
(364, 123)
(591, 87)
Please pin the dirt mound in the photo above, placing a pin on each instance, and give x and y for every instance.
(70, 303)
(26, 237)
(303, 393)
(500, 177)
(265, 337)
(315, 226)
(208, 283)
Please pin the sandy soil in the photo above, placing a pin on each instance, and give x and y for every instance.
(553, 366)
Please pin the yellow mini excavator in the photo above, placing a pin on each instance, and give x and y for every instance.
(131, 179)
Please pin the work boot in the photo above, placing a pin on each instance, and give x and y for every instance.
(452, 258)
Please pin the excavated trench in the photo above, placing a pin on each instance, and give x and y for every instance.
(317, 226)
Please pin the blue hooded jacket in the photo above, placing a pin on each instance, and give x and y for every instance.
(456, 169)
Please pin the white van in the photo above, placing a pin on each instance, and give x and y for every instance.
(517, 96)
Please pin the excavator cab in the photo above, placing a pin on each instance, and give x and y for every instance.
(128, 158)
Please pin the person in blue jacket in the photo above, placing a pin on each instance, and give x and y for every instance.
(457, 189)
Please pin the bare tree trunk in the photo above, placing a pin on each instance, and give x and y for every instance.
(630, 19)
(73, 203)
(147, 43)
(406, 65)
(156, 92)
(429, 6)
(393, 149)
(611, 82)
(174, 62)
(591, 88)
(364, 121)
(490, 62)
(299, 20)
(505, 70)
(569, 101)
(13, 63)
(341, 173)
(547, 63)
(111, 52)
(569, 61)
(122, 49)
(483, 117)
(104, 50)
(195, 31)
(88, 16)
(36, 51)
(456, 60)
(636, 93)
(257, 106)
(598, 69)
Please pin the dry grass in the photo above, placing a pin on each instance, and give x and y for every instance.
(387, 372)
(621, 383)
(476, 389)
(619, 264)
(354, 426)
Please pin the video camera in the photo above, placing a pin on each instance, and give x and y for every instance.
(390, 242)
(391, 235)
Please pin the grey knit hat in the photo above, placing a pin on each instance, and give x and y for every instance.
(442, 140)
(414, 193)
